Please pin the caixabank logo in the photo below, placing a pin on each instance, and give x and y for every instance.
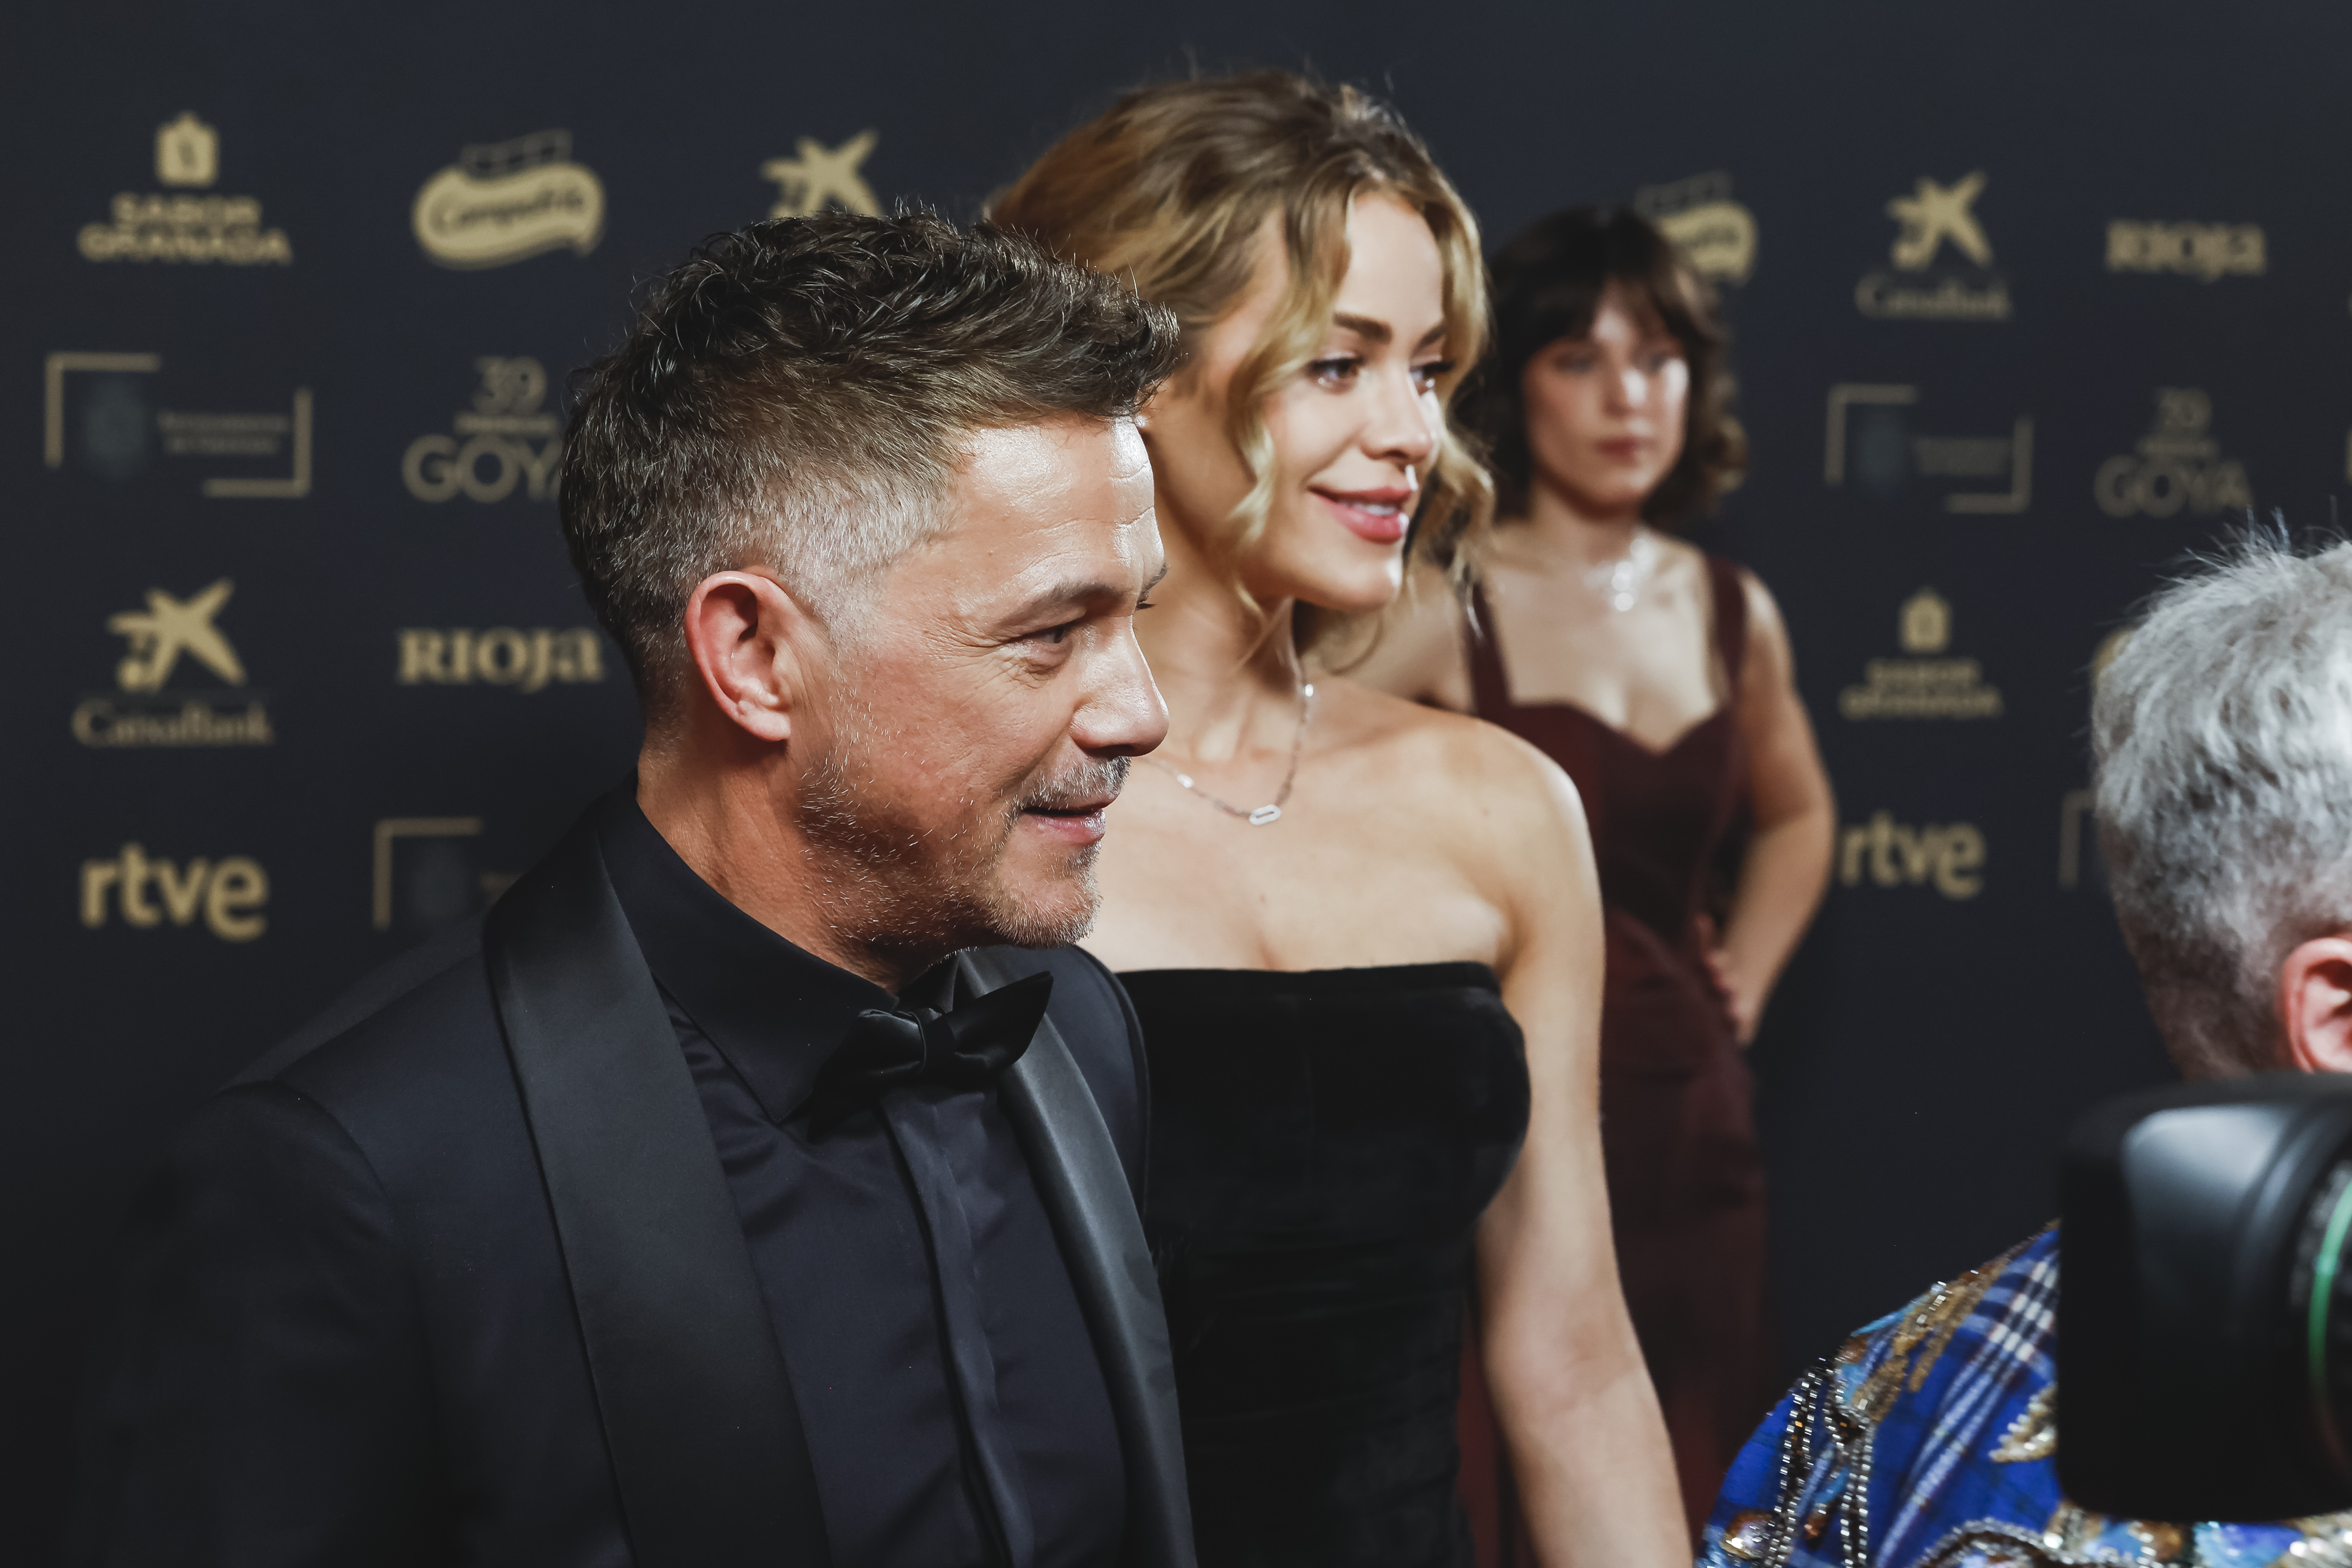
(164, 639)
(1942, 258)
(817, 176)
(505, 446)
(1927, 682)
(104, 413)
(188, 223)
(2177, 466)
(505, 202)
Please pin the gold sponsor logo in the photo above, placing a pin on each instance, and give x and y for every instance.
(1928, 684)
(2205, 251)
(1716, 233)
(1871, 444)
(1933, 216)
(505, 441)
(817, 176)
(508, 201)
(121, 433)
(500, 656)
(182, 226)
(2176, 464)
(158, 637)
(1885, 852)
(146, 890)
(425, 876)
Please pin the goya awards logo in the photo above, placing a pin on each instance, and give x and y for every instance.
(817, 176)
(2207, 252)
(1926, 682)
(1870, 444)
(504, 445)
(522, 661)
(2177, 465)
(167, 635)
(1716, 233)
(106, 403)
(181, 224)
(146, 890)
(508, 201)
(1932, 223)
(1947, 856)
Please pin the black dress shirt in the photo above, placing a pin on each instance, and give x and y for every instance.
(951, 1393)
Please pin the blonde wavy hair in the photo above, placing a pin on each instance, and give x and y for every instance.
(1169, 189)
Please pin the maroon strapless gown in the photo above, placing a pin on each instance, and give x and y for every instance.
(1677, 1127)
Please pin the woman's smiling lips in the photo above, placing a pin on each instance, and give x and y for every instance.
(1378, 516)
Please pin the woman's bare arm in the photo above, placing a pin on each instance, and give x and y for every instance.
(1787, 866)
(1587, 1444)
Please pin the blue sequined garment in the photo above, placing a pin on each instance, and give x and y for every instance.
(1928, 1440)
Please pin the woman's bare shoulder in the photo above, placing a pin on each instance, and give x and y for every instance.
(1453, 757)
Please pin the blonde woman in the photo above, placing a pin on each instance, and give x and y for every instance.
(1363, 935)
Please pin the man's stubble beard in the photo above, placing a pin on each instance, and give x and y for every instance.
(910, 896)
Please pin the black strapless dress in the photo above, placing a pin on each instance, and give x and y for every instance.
(1322, 1147)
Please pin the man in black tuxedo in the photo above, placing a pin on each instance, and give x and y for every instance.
(757, 1184)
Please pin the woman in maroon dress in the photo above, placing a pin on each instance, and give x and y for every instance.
(1660, 678)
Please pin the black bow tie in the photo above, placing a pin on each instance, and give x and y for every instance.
(964, 1047)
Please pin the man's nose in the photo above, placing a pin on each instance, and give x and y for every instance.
(1122, 713)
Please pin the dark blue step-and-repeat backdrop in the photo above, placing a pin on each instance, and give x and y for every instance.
(2028, 301)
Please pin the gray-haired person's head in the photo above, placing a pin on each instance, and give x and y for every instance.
(2223, 733)
(795, 397)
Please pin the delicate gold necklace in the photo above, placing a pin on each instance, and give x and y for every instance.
(1265, 815)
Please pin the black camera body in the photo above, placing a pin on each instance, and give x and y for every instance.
(2205, 1302)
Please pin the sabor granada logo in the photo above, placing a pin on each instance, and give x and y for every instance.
(1933, 217)
(146, 890)
(508, 201)
(184, 226)
(508, 439)
(136, 714)
(1926, 683)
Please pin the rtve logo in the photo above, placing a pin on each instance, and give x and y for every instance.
(228, 893)
(1950, 857)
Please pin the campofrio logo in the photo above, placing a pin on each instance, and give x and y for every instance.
(508, 201)
(1716, 233)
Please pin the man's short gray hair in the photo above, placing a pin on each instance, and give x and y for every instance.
(2223, 733)
(797, 396)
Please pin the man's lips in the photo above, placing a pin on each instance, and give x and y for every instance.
(1079, 823)
(1377, 517)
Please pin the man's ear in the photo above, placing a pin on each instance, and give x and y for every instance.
(2315, 1005)
(748, 638)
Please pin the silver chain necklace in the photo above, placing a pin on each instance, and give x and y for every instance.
(1621, 581)
(1265, 815)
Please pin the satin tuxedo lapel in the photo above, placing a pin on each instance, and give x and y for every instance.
(699, 1418)
(1076, 1171)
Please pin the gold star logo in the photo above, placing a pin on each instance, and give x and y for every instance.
(1934, 213)
(169, 627)
(822, 174)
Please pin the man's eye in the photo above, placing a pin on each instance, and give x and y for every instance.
(1143, 604)
(1053, 634)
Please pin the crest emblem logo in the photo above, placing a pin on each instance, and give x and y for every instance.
(508, 201)
(1927, 622)
(187, 151)
(1924, 683)
(821, 176)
